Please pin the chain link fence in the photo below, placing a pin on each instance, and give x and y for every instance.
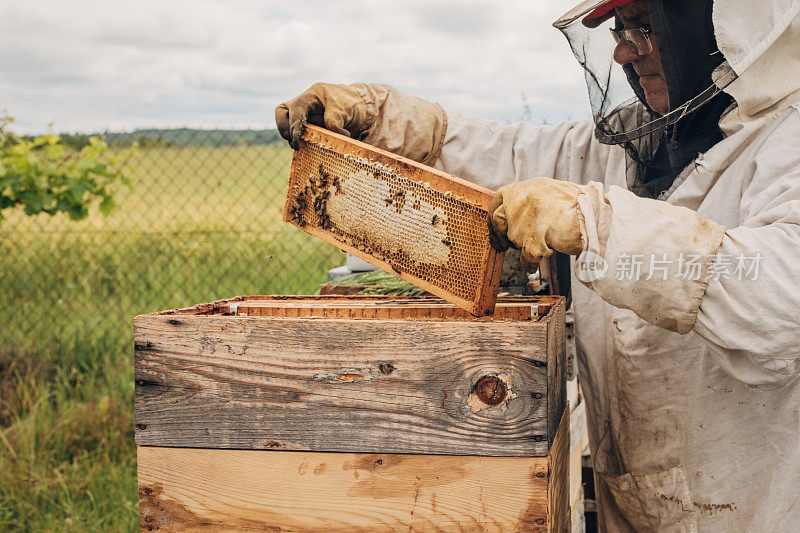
(202, 221)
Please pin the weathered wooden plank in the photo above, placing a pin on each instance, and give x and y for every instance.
(344, 385)
(198, 489)
(556, 369)
(579, 441)
(558, 503)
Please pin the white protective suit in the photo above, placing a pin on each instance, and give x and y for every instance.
(697, 431)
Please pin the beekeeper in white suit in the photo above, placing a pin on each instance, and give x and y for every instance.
(682, 207)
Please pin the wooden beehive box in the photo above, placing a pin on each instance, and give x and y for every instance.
(352, 414)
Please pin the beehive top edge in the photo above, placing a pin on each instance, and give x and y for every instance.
(376, 307)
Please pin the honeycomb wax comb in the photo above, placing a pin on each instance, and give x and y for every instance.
(411, 220)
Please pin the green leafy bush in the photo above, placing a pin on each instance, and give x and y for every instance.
(45, 176)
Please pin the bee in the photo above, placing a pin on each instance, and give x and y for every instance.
(296, 215)
(325, 221)
(323, 179)
(320, 206)
(300, 201)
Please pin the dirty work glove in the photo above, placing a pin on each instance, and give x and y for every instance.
(339, 108)
(539, 216)
(377, 114)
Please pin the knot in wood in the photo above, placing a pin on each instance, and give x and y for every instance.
(491, 390)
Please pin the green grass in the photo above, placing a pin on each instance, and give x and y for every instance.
(201, 224)
(379, 282)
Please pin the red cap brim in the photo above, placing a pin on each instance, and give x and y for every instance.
(603, 13)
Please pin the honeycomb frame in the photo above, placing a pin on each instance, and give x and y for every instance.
(416, 222)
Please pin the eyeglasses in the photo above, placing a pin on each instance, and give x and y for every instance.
(637, 39)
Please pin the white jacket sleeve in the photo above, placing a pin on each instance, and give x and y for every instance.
(492, 154)
(636, 252)
(743, 297)
(750, 315)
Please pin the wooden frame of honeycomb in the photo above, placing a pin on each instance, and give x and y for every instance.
(421, 224)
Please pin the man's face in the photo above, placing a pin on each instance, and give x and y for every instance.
(648, 67)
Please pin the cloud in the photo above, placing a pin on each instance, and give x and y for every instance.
(106, 65)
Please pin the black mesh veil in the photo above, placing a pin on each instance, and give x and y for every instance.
(658, 146)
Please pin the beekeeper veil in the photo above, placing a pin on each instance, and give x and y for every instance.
(661, 142)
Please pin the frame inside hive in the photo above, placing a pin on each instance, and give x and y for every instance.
(425, 226)
(379, 307)
(387, 307)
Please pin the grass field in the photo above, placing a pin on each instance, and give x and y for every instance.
(200, 224)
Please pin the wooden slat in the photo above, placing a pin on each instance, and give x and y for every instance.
(485, 282)
(196, 489)
(342, 385)
(558, 511)
(556, 369)
(541, 303)
(383, 310)
(579, 441)
(200, 489)
(424, 175)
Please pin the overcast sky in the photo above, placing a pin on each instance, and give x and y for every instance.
(98, 65)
